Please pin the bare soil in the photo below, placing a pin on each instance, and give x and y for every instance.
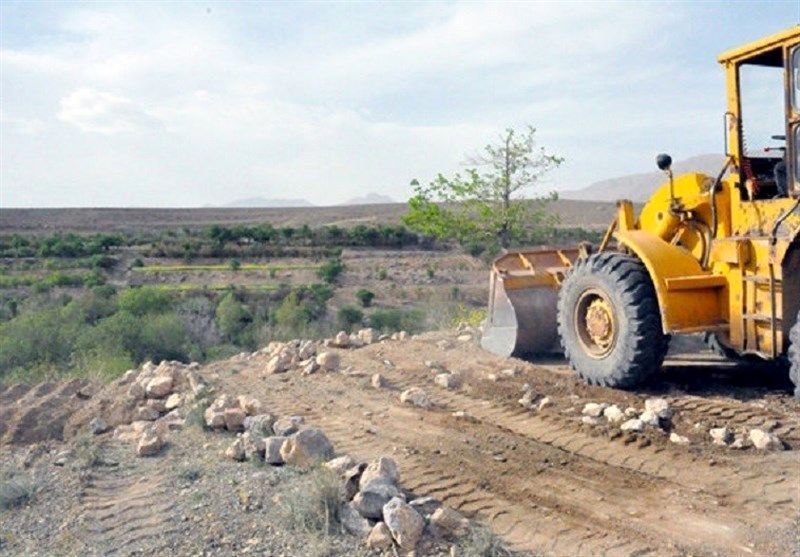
(545, 481)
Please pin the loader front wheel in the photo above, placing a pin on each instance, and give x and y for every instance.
(609, 322)
(794, 356)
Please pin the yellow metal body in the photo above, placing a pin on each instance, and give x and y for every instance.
(721, 258)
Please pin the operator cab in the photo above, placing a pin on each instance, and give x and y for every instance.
(763, 118)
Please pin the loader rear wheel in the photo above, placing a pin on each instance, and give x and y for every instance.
(609, 322)
(794, 356)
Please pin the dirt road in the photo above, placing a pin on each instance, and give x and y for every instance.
(545, 481)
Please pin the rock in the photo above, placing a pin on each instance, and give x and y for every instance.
(378, 381)
(214, 419)
(307, 350)
(150, 443)
(659, 407)
(493, 377)
(433, 364)
(650, 418)
(234, 419)
(594, 409)
(145, 413)
(368, 336)
(328, 361)
(157, 404)
(765, 441)
(464, 338)
(254, 446)
(402, 335)
(449, 523)
(678, 439)
(287, 425)
(236, 450)
(306, 447)
(260, 424)
(98, 425)
(383, 470)
(590, 420)
(369, 502)
(310, 367)
(159, 386)
(251, 405)
(136, 391)
(720, 435)
(353, 522)
(173, 401)
(528, 400)
(634, 424)
(510, 372)
(631, 412)
(380, 537)
(613, 414)
(405, 524)
(62, 457)
(272, 449)
(425, 505)
(278, 364)
(739, 442)
(544, 403)
(444, 344)
(341, 340)
(352, 477)
(340, 465)
(448, 380)
(416, 397)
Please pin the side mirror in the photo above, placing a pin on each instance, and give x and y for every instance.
(664, 162)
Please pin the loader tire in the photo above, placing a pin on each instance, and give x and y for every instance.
(611, 292)
(794, 356)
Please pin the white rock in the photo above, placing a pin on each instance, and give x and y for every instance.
(368, 335)
(310, 367)
(405, 524)
(369, 501)
(380, 537)
(150, 443)
(254, 446)
(173, 401)
(278, 363)
(649, 417)
(448, 380)
(634, 424)
(765, 441)
(659, 406)
(287, 425)
(159, 386)
(678, 439)
(306, 448)
(340, 464)
(328, 361)
(510, 372)
(449, 523)
(613, 414)
(250, 404)
(464, 338)
(234, 419)
(378, 381)
(98, 425)
(425, 505)
(528, 399)
(236, 450)
(259, 425)
(307, 350)
(594, 409)
(353, 522)
(631, 412)
(544, 403)
(384, 469)
(590, 420)
(720, 435)
(416, 397)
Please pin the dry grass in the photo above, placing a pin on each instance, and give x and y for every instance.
(16, 492)
(312, 503)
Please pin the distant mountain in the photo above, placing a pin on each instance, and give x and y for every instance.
(370, 199)
(264, 202)
(639, 187)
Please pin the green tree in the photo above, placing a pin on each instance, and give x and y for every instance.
(232, 316)
(330, 270)
(145, 299)
(488, 202)
(365, 297)
(348, 317)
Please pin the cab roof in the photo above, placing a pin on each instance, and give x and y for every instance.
(763, 52)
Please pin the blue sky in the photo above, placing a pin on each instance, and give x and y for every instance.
(195, 103)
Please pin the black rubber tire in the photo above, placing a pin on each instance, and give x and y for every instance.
(794, 356)
(640, 344)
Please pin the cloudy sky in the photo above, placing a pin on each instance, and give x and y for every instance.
(195, 103)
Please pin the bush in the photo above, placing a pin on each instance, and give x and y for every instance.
(396, 319)
(143, 300)
(99, 261)
(292, 313)
(348, 317)
(235, 265)
(163, 338)
(16, 491)
(314, 504)
(232, 316)
(481, 542)
(330, 270)
(382, 274)
(365, 297)
(137, 263)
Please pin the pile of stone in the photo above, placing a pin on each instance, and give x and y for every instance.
(760, 438)
(377, 509)
(656, 414)
(154, 399)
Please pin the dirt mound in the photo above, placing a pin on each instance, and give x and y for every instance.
(34, 413)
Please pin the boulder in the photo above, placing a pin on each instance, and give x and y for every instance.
(328, 361)
(613, 414)
(352, 478)
(236, 450)
(310, 367)
(425, 505)
(260, 424)
(449, 523)
(272, 449)
(287, 425)
(634, 424)
(353, 522)
(594, 409)
(98, 425)
(341, 340)
(157, 404)
(405, 524)
(416, 397)
(383, 470)
(307, 350)
(720, 435)
(368, 336)
(369, 502)
(590, 420)
(650, 418)
(678, 439)
(278, 363)
(378, 381)
(159, 386)
(150, 443)
(306, 448)
(380, 537)
(173, 401)
(136, 391)
(215, 419)
(250, 404)
(528, 400)
(765, 441)
(544, 403)
(234, 419)
(340, 465)
(659, 407)
(145, 413)
(254, 446)
(448, 380)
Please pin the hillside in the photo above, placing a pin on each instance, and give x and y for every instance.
(638, 187)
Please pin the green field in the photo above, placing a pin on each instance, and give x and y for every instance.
(184, 268)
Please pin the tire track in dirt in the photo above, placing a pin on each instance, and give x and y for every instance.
(125, 513)
(743, 414)
(29, 414)
(534, 515)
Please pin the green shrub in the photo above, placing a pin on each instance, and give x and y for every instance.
(431, 272)
(232, 316)
(365, 297)
(396, 319)
(99, 261)
(163, 338)
(292, 312)
(235, 265)
(383, 274)
(348, 317)
(137, 263)
(44, 336)
(143, 300)
(330, 270)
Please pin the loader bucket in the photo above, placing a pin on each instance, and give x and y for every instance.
(522, 302)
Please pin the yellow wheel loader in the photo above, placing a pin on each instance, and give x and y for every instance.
(718, 255)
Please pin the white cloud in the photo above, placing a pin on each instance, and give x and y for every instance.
(100, 112)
